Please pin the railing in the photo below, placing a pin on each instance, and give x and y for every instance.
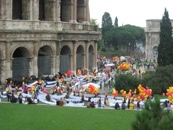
(78, 27)
(16, 25)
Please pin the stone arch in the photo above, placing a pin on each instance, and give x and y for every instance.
(80, 57)
(155, 53)
(20, 62)
(80, 11)
(65, 59)
(17, 9)
(155, 50)
(44, 62)
(90, 57)
(65, 15)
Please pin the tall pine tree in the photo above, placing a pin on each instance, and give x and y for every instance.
(165, 48)
(116, 22)
(106, 24)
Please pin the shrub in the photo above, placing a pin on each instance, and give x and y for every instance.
(103, 49)
(126, 82)
(153, 117)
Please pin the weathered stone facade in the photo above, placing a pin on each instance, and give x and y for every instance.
(44, 37)
(152, 33)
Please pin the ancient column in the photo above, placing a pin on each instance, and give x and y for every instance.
(2, 64)
(9, 59)
(35, 57)
(87, 12)
(30, 13)
(49, 10)
(73, 11)
(2, 9)
(57, 64)
(8, 9)
(31, 65)
(95, 56)
(53, 59)
(86, 56)
(25, 9)
(73, 58)
(35, 10)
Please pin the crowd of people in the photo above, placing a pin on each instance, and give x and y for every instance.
(65, 83)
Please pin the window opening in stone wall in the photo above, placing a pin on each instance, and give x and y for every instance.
(65, 59)
(17, 9)
(80, 58)
(80, 11)
(20, 63)
(65, 15)
(41, 10)
(44, 61)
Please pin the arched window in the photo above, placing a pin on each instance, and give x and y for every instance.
(155, 50)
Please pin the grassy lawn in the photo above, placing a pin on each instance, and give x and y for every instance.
(42, 117)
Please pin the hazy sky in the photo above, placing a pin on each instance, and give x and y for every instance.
(134, 12)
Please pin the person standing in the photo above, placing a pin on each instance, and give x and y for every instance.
(138, 105)
(0, 96)
(131, 106)
(20, 98)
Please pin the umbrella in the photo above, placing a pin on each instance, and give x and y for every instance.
(69, 72)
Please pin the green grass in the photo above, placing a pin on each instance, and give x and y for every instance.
(42, 117)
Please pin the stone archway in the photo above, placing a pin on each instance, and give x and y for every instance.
(80, 11)
(65, 61)
(80, 58)
(20, 63)
(90, 58)
(155, 53)
(44, 61)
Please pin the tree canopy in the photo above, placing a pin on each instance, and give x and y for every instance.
(125, 36)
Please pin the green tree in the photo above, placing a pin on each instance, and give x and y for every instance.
(94, 22)
(153, 117)
(120, 39)
(126, 82)
(165, 54)
(116, 22)
(160, 80)
(106, 24)
(137, 32)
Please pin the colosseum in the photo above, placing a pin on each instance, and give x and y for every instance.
(44, 37)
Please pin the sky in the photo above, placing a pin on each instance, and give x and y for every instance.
(134, 12)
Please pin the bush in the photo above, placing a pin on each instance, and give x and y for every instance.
(160, 80)
(126, 82)
(153, 117)
(103, 49)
